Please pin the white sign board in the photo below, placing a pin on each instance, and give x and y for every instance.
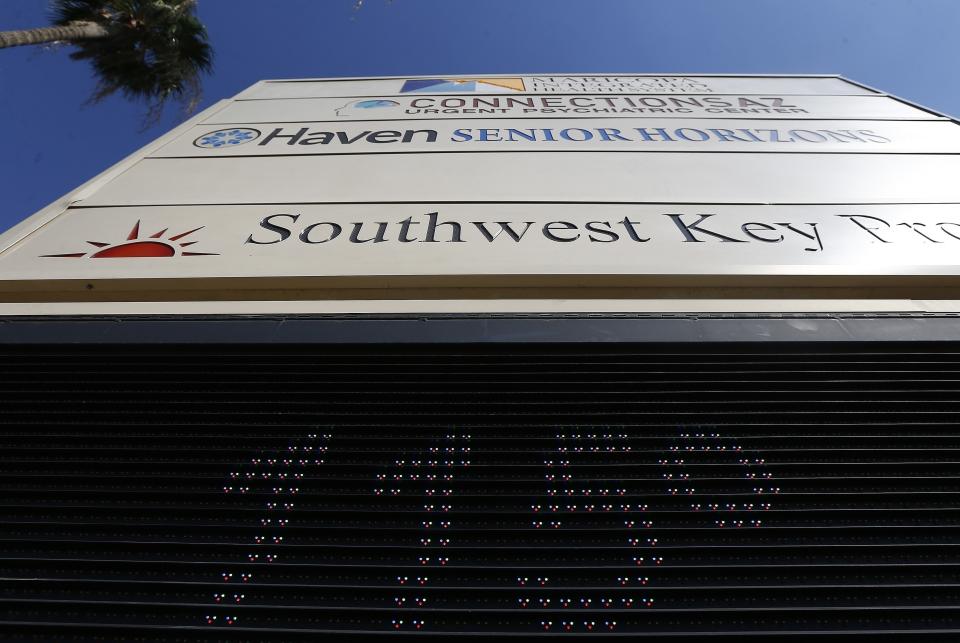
(583, 135)
(579, 185)
(607, 106)
(551, 85)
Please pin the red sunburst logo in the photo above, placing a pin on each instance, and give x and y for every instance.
(156, 245)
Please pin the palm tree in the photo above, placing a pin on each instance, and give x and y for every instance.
(151, 50)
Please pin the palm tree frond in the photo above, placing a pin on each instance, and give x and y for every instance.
(155, 50)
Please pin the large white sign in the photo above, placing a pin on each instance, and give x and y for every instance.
(573, 182)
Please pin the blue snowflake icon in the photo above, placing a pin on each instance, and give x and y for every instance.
(227, 138)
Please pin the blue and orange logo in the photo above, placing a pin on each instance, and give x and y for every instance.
(463, 85)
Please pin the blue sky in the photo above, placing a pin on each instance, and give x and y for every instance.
(52, 142)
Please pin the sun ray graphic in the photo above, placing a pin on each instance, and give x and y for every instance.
(155, 245)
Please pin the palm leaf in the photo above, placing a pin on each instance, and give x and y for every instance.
(155, 50)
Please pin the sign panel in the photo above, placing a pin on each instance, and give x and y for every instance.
(558, 84)
(505, 239)
(516, 186)
(619, 177)
(595, 135)
(459, 107)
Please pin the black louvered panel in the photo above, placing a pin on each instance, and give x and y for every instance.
(255, 492)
